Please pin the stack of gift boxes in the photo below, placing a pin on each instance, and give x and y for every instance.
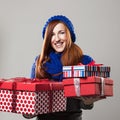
(87, 80)
(41, 96)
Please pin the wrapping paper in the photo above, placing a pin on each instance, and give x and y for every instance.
(90, 86)
(26, 96)
(86, 71)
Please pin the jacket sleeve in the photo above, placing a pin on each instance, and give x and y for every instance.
(32, 74)
(75, 105)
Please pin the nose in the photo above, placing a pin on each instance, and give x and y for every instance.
(57, 38)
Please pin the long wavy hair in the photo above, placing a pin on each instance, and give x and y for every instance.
(70, 56)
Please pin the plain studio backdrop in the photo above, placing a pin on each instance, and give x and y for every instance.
(97, 27)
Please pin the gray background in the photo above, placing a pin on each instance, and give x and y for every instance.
(97, 26)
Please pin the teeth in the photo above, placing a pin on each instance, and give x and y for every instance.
(58, 44)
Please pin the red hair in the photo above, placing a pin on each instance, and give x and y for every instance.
(71, 55)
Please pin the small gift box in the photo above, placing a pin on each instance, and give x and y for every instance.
(26, 96)
(89, 86)
(86, 71)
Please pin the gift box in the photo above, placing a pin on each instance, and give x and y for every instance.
(86, 71)
(89, 86)
(26, 96)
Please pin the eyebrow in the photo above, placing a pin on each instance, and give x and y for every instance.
(60, 31)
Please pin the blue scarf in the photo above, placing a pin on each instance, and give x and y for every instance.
(54, 66)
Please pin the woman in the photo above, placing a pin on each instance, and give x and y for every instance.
(60, 50)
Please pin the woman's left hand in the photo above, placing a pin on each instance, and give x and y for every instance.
(91, 99)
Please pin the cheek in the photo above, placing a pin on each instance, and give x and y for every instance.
(65, 43)
(52, 41)
(64, 37)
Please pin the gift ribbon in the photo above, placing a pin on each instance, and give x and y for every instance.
(72, 71)
(50, 98)
(77, 86)
(14, 97)
(102, 86)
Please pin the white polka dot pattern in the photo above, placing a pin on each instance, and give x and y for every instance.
(24, 102)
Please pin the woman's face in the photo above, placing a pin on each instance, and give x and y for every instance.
(59, 38)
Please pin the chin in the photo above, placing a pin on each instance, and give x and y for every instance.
(59, 50)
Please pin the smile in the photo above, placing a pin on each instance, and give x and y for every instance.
(59, 44)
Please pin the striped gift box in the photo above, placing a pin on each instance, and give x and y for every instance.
(86, 71)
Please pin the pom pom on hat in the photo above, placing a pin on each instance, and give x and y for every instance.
(65, 20)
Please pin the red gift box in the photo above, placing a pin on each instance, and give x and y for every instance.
(89, 86)
(26, 96)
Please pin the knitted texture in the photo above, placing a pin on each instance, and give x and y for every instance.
(63, 19)
(54, 66)
(87, 60)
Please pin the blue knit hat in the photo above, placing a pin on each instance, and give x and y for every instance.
(65, 20)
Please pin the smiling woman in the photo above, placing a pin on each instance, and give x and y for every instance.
(58, 46)
(59, 50)
(59, 38)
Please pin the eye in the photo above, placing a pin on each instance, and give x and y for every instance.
(62, 32)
